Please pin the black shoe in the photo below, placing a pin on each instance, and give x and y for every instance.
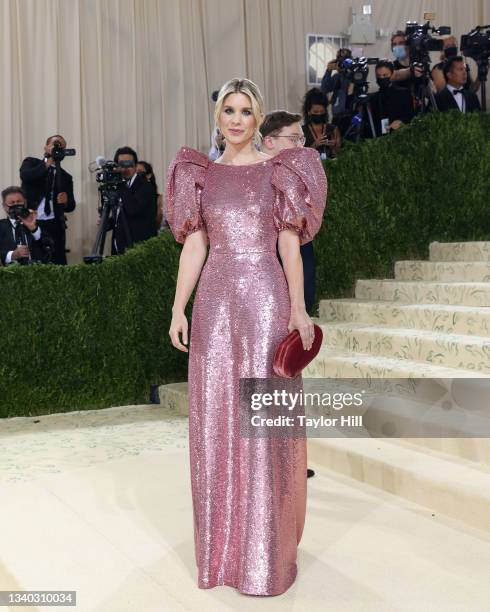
(309, 473)
(154, 395)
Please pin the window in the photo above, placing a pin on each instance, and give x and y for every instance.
(320, 49)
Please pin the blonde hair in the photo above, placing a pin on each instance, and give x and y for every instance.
(250, 89)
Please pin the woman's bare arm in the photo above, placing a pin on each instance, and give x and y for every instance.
(191, 262)
(288, 244)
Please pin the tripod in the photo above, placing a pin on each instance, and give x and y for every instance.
(361, 104)
(422, 90)
(111, 215)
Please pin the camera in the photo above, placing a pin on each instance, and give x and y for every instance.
(58, 153)
(18, 211)
(420, 42)
(476, 44)
(110, 177)
(356, 69)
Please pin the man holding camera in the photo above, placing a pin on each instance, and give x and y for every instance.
(49, 191)
(21, 239)
(454, 95)
(404, 74)
(341, 87)
(135, 220)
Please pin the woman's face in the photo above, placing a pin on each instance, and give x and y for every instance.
(318, 109)
(236, 120)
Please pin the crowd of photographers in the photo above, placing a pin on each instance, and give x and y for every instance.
(407, 85)
(34, 230)
(340, 109)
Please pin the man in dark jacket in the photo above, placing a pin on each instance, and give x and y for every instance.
(49, 194)
(454, 95)
(21, 239)
(341, 88)
(139, 205)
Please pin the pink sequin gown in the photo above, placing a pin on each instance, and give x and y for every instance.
(249, 495)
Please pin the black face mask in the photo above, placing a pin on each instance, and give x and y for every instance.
(383, 82)
(451, 51)
(318, 118)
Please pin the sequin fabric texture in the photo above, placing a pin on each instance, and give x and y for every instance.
(249, 494)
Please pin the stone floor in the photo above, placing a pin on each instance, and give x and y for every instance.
(99, 502)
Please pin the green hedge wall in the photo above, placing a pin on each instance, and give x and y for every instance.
(82, 337)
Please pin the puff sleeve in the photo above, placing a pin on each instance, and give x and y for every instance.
(300, 187)
(185, 182)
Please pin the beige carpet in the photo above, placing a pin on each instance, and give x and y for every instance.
(99, 502)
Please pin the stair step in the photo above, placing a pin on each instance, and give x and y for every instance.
(344, 365)
(443, 271)
(472, 450)
(174, 396)
(459, 251)
(424, 292)
(449, 487)
(469, 320)
(451, 350)
(331, 363)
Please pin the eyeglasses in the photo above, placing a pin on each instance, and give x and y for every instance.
(294, 139)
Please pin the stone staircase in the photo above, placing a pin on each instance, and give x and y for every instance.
(431, 321)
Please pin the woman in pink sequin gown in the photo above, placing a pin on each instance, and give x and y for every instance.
(249, 494)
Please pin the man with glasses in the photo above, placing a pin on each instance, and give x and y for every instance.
(282, 130)
(139, 206)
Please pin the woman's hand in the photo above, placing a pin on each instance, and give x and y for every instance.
(320, 141)
(301, 321)
(179, 325)
(395, 125)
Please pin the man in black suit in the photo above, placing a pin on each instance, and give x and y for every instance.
(282, 130)
(139, 205)
(454, 95)
(48, 194)
(391, 106)
(21, 239)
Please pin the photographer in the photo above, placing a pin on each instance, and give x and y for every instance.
(391, 105)
(139, 204)
(21, 239)
(48, 194)
(342, 90)
(403, 76)
(450, 49)
(454, 95)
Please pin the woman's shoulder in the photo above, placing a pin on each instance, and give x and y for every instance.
(192, 156)
(297, 155)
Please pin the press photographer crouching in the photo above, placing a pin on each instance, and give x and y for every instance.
(134, 219)
(21, 238)
(49, 191)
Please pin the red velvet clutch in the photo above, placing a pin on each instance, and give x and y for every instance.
(291, 358)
